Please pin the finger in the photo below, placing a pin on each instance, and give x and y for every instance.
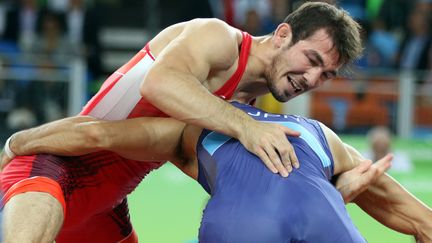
(266, 160)
(289, 131)
(386, 160)
(287, 154)
(275, 160)
(383, 164)
(363, 166)
(367, 178)
(293, 158)
(284, 150)
(289, 158)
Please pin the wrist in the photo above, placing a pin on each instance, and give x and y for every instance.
(425, 230)
(7, 149)
(242, 128)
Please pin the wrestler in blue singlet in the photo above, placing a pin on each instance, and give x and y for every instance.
(251, 204)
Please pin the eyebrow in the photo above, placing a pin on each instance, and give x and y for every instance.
(320, 60)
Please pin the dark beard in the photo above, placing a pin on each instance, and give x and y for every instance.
(278, 95)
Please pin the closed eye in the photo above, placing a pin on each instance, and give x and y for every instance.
(329, 75)
(314, 57)
(313, 62)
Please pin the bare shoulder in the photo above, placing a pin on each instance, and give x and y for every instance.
(214, 37)
(341, 157)
(198, 47)
(214, 28)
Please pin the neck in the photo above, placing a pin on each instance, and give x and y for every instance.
(253, 83)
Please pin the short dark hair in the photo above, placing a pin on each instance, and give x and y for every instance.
(344, 31)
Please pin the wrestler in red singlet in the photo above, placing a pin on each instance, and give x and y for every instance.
(93, 188)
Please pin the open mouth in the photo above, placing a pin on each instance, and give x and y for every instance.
(294, 84)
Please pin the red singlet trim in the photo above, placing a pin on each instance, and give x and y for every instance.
(37, 184)
(227, 90)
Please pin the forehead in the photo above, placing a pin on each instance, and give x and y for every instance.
(321, 43)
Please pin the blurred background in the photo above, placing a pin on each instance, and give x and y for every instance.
(55, 54)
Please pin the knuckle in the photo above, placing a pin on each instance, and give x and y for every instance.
(285, 151)
(263, 139)
(274, 158)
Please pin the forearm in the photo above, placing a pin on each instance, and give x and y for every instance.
(183, 97)
(63, 137)
(144, 139)
(389, 203)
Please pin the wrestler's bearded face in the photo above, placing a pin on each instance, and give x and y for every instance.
(302, 67)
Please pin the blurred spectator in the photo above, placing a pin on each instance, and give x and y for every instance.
(425, 89)
(57, 5)
(415, 48)
(297, 3)
(173, 11)
(252, 23)
(356, 8)
(7, 97)
(380, 144)
(21, 118)
(21, 23)
(237, 12)
(82, 25)
(393, 13)
(257, 7)
(2, 17)
(51, 44)
(382, 46)
(52, 49)
(369, 53)
(278, 12)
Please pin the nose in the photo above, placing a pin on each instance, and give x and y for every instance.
(314, 77)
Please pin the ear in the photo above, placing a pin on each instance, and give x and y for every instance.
(282, 35)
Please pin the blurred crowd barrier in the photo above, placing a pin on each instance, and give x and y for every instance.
(398, 99)
(33, 92)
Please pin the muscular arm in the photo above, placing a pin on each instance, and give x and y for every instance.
(174, 82)
(389, 203)
(385, 199)
(68, 136)
(174, 85)
(145, 139)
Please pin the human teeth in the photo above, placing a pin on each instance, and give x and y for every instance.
(295, 85)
